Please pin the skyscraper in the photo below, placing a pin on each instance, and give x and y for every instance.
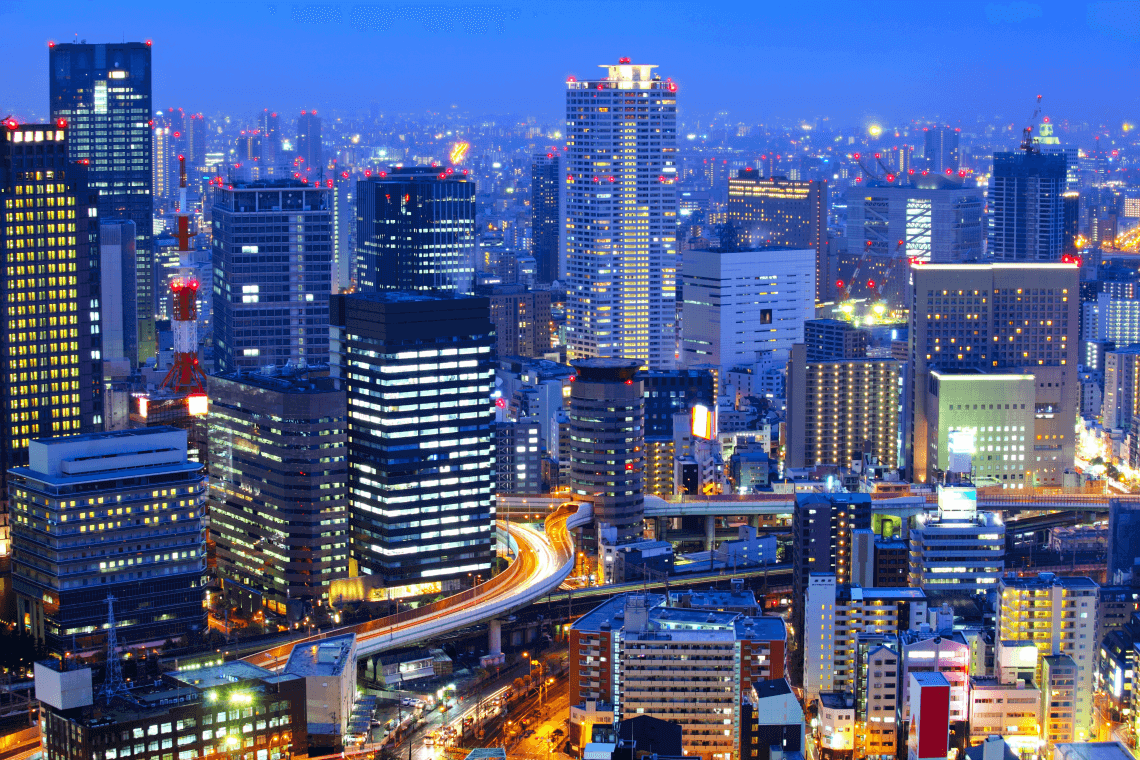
(273, 265)
(270, 127)
(545, 191)
(309, 148)
(415, 231)
(52, 382)
(607, 442)
(621, 215)
(421, 473)
(195, 137)
(782, 211)
(103, 92)
(1027, 206)
(164, 170)
(117, 299)
(940, 147)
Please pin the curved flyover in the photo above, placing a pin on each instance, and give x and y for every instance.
(542, 562)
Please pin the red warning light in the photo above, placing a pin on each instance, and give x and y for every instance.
(890, 178)
(672, 87)
(870, 283)
(344, 174)
(878, 155)
(961, 172)
(925, 172)
(949, 170)
(571, 79)
(61, 123)
(839, 283)
(858, 179)
(624, 59)
(367, 172)
(148, 43)
(501, 403)
(383, 174)
(857, 156)
(550, 155)
(629, 382)
(910, 171)
(51, 44)
(10, 124)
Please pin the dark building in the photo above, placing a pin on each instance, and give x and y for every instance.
(545, 191)
(892, 563)
(940, 147)
(823, 525)
(415, 231)
(102, 94)
(830, 339)
(781, 211)
(196, 135)
(522, 320)
(272, 274)
(269, 125)
(278, 485)
(309, 150)
(1071, 206)
(1123, 540)
(607, 442)
(1026, 206)
(646, 736)
(767, 726)
(418, 465)
(669, 391)
(53, 378)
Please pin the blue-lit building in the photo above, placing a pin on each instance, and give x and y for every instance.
(1027, 207)
(545, 190)
(415, 231)
(670, 391)
(103, 94)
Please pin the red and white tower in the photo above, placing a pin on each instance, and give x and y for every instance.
(185, 376)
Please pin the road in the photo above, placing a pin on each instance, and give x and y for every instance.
(543, 561)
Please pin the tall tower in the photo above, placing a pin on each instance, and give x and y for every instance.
(1027, 206)
(270, 128)
(621, 215)
(545, 187)
(940, 147)
(104, 94)
(185, 376)
(309, 143)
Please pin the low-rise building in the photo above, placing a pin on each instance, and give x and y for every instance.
(328, 668)
(1005, 709)
(772, 723)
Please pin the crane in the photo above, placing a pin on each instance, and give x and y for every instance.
(870, 283)
(1027, 144)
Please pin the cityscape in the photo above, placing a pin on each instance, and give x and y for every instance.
(570, 381)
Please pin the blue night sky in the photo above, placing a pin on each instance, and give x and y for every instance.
(761, 61)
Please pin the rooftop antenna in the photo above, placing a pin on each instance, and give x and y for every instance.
(113, 684)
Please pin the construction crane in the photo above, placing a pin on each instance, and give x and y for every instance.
(1027, 143)
(870, 283)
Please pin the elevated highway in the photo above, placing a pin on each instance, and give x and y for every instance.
(542, 563)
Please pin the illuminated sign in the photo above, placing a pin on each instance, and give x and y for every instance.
(142, 406)
(197, 405)
(704, 422)
(957, 503)
(459, 152)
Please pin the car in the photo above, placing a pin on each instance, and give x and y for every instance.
(407, 701)
(528, 733)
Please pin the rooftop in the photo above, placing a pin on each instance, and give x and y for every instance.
(1091, 751)
(1048, 580)
(327, 657)
(220, 675)
(285, 379)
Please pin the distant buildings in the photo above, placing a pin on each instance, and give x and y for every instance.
(415, 231)
(621, 166)
(421, 467)
(518, 458)
(742, 306)
(940, 149)
(522, 320)
(109, 515)
(546, 183)
(310, 152)
(278, 486)
(273, 264)
(1027, 208)
(102, 95)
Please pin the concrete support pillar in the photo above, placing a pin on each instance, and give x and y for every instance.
(662, 529)
(495, 637)
(710, 533)
(754, 521)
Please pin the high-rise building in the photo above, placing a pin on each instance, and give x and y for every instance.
(164, 169)
(546, 182)
(621, 215)
(119, 328)
(781, 211)
(108, 515)
(415, 231)
(940, 148)
(103, 94)
(1027, 207)
(1061, 679)
(743, 305)
(269, 125)
(937, 561)
(433, 353)
(607, 449)
(826, 339)
(522, 320)
(310, 153)
(1006, 318)
(195, 136)
(278, 485)
(841, 408)
(518, 457)
(670, 391)
(51, 346)
(344, 232)
(273, 265)
(1058, 614)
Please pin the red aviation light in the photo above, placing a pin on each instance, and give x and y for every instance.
(839, 283)
(858, 179)
(857, 156)
(328, 183)
(51, 44)
(61, 123)
(961, 172)
(925, 172)
(623, 60)
(890, 178)
(148, 43)
(910, 171)
(464, 172)
(949, 171)
(878, 155)
(11, 124)
(344, 174)
(367, 172)
(870, 283)
(570, 80)
(383, 174)
(672, 87)
(629, 382)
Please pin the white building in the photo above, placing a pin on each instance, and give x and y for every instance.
(926, 651)
(1006, 709)
(620, 238)
(329, 669)
(1118, 320)
(742, 305)
(958, 548)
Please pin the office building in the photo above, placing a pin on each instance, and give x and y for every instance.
(201, 710)
(328, 668)
(1121, 402)
(1123, 539)
(1117, 318)
(522, 320)
(1026, 207)
(690, 666)
(834, 339)
(1059, 616)
(935, 649)
(835, 614)
(743, 305)
(937, 559)
(310, 152)
(878, 562)
(518, 457)
(1008, 710)
(940, 149)
(1060, 702)
(51, 347)
(164, 167)
(102, 93)
(344, 233)
(117, 291)
(668, 392)
(772, 722)
(195, 137)
(278, 500)
(935, 218)
(823, 527)
(840, 409)
(621, 166)
(108, 515)
(607, 442)
(771, 210)
(415, 231)
(269, 125)
(659, 466)
(433, 352)
(546, 182)
(1009, 318)
(273, 273)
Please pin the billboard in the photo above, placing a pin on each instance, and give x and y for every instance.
(704, 422)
